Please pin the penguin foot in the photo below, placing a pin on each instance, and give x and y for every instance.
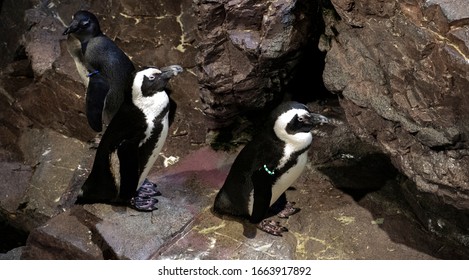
(148, 189)
(144, 203)
(288, 210)
(145, 197)
(272, 227)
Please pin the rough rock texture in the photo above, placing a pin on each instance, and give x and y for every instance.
(43, 129)
(396, 64)
(402, 68)
(40, 85)
(346, 213)
(248, 51)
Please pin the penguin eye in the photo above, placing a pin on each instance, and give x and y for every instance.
(301, 119)
(151, 78)
(85, 23)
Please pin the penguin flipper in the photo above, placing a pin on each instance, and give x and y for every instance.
(95, 96)
(262, 182)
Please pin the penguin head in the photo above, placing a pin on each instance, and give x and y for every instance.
(293, 121)
(152, 80)
(84, 26)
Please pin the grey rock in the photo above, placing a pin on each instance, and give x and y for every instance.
(13, 254)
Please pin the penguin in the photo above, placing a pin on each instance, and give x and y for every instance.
(267, 166)
(131, 143)
(109, 69)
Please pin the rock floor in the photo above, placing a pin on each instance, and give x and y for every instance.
(350, 200)
(333, 224)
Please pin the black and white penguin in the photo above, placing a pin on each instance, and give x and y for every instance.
(267, 166)
(109, 69)
(131, 143)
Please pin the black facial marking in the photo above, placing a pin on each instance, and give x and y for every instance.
(153, 84)
(299, 124)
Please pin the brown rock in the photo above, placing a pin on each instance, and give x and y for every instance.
(64, 237)
(248, 51)
(404, 82)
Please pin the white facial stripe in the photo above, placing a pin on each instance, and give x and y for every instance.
(293, 142)
(280, 126)
(136, 86)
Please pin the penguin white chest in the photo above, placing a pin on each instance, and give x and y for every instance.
(152, 107)
(156, 150)
(289, 177)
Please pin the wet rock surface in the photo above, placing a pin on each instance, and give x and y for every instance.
(398, 68)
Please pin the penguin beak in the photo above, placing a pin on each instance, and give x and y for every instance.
(170, 71)
(317, 119)
(73, 27)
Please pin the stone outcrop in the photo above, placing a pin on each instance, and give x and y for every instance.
(248, 51)
(402, 71)
(43, 128)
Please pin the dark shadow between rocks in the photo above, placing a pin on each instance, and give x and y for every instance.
(374, 183)
(359, 176)
(11, 237)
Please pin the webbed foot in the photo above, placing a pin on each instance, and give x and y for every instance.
(144, 203)
(288, 210)
(145, 197)
(148, 189)
(272, 227)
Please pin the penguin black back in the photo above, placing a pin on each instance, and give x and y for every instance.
(101, 56)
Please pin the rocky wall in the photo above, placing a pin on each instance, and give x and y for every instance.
(43, 128)
(248, 52)
(401, 69)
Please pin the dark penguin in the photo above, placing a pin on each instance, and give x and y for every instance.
(131, 144)
(268, 165)
(109, 69)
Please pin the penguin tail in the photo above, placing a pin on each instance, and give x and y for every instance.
(222, 203)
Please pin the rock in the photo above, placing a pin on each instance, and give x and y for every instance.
(54, 159)
(248, 53)
(403, 78)
(14, 186)
(63, 237)
(115, 232)
(14, 254)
